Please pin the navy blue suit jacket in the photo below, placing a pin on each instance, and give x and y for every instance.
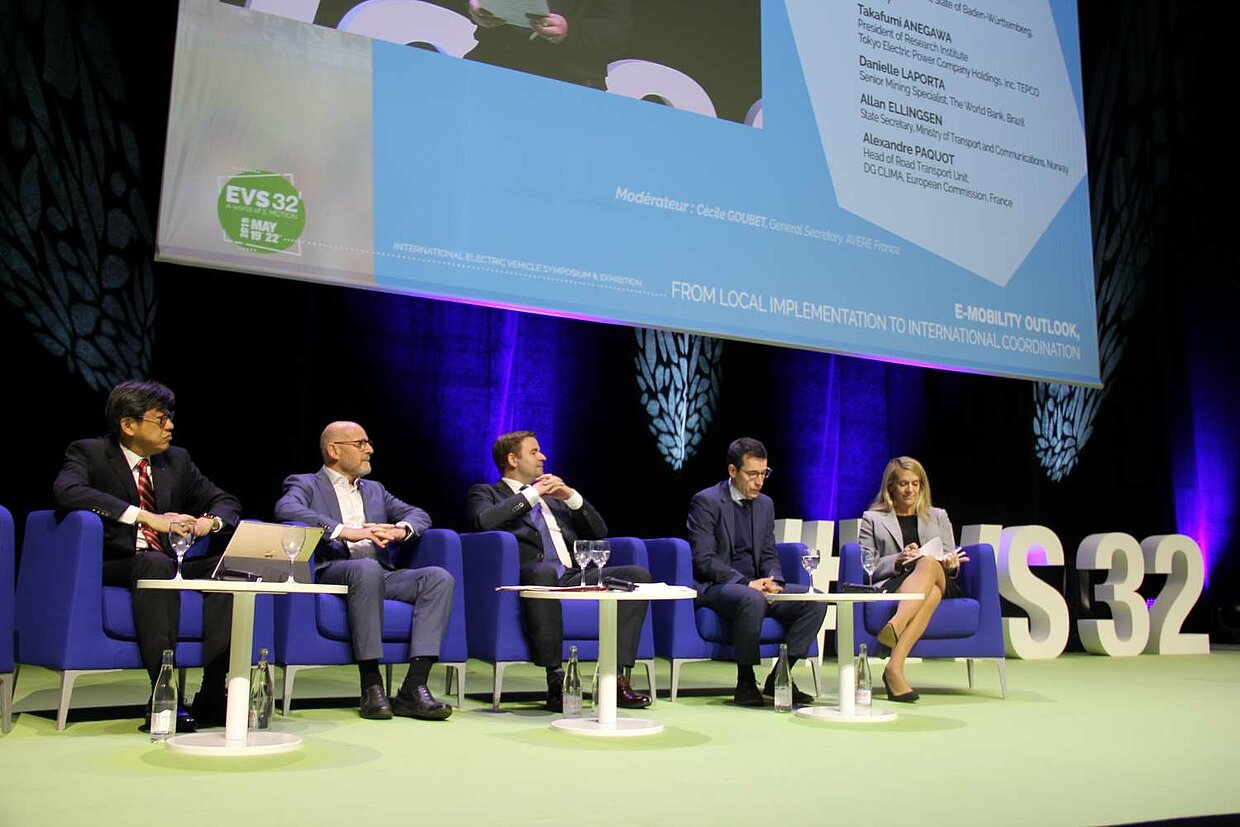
(494, 507)
(311, 499)
(712, 544)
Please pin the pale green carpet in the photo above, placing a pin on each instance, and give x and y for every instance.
(1079, 740)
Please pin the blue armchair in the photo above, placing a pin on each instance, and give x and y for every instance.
(685, 634)
(68, 621)
(968, 627)
(495, 629)
(7, 554)
(313, 629)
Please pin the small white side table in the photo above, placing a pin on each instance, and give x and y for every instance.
(236, 739)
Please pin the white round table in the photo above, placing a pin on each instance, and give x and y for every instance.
(846, 712)
(236, 739)
(607, 725)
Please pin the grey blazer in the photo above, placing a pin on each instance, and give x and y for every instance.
(881, 530)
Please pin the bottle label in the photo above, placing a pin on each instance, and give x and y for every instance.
(783, 698)
(163, 723)
(863, 697)
(572, 706)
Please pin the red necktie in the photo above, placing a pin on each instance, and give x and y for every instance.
(146, 501)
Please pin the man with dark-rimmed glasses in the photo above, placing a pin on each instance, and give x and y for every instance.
(735, 566)
(143, 487)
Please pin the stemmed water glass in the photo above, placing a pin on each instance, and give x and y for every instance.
(869, 562)
(600, 550)
(180, 537)
(581, 553)
(292, 538)
(809, 561)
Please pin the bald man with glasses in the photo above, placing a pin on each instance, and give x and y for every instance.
(364, 525)
(735, 566)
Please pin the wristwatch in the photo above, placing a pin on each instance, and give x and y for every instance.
(216, 522)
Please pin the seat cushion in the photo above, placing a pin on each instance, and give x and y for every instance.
(580, 620)
(955, 618)
(118, 614)
(332, 616)
(715, 628)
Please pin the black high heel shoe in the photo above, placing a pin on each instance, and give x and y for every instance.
(908, 697)
(888, 637)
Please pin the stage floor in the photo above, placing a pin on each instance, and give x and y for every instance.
(1080, 740)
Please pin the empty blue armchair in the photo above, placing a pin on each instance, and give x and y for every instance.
(313, 629)
(685, 634)
(968, 627)
(495, 630)
(7, 554)
(67, 620)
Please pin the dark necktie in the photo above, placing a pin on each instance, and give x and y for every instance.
(146, 501)
(549, 553)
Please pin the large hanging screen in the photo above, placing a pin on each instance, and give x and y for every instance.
(902, 179)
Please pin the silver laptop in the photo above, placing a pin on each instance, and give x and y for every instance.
(256, 552)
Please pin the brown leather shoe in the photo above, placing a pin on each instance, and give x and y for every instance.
(627, 697)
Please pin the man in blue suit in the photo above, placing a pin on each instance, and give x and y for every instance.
(735, 566)
(363, 526)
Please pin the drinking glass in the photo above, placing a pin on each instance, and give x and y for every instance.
(180, 537)
(869, 562)
(581, 553)
(809, 561)
(600, 550)
(292, 538)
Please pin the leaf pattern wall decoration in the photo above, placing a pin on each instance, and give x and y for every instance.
(678, 375)
(75, 237)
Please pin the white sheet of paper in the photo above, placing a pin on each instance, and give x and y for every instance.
(934, 548)
(515, 11)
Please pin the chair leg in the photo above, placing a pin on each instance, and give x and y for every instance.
(816, 669)
(649, 664)
(67, 677)
(288, 674)
(388, 670)
(497, 684)
(968, 665)
(181, 683)
(676, 664)
(455, 672)
(6, 701)
(1002, 664)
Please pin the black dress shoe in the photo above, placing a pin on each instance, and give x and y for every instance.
(747, 694)
(555, 691)
(627, 697)
(210, 708)
(908, 697)
(798, 697)
(421, 704)
(374, 705)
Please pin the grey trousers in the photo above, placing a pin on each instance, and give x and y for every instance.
(428, 589)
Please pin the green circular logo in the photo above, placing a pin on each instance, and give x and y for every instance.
(261, 211)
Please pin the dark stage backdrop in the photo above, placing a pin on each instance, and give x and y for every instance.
(259, 365)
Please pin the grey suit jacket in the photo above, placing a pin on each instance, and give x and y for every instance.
(311, 499)
(881, 530)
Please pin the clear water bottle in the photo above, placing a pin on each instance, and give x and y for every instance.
(572, 686)
(783, 681)
(864, 694)
(164, 701)
(262, 693)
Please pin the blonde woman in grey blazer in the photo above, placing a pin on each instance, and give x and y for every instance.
(898, 522)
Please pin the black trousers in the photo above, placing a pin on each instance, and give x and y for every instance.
(746, 607)
(544, 619)
(157, 613)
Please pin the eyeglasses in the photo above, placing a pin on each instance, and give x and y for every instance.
(162, 420)
(359, 444)
(763, 473)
